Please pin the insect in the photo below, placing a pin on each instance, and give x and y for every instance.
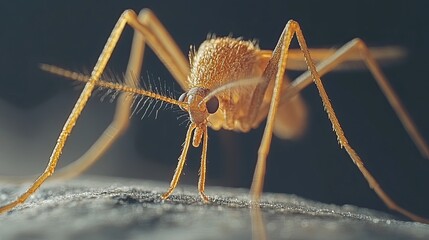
(229, 83)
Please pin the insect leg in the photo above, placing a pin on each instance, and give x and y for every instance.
(202, 179)
(180, 163)
(76, 111)
(148, 29)
(342, 55)
(275, 70)
(162, 44)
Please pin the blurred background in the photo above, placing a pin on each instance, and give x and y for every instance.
(35, 104)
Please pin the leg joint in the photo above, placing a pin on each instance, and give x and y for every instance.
(128, 14)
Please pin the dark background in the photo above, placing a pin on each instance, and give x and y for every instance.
(34, 104)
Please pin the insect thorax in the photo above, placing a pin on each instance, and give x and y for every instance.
(220, 61)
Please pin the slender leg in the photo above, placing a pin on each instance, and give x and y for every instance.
(203, 168)
(344, 54)
(162, 44)
(175, 62)
(275, 70)
(181, 162)
(155, 34)
(77, 109)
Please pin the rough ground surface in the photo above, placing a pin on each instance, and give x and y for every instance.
(111, 208)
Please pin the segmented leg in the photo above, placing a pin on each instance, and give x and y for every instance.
(180, 163)
(343, 55)
(275, 71)
(162, 44)
(77, 110)
(203, 168)
(158, 39)
(152, 32)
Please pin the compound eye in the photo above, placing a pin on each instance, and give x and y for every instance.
(212, 105)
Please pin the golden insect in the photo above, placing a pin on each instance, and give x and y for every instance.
(229, 83)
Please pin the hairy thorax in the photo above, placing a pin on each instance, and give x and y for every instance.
(220, 61)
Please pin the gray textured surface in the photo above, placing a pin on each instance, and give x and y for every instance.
(112, 208)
